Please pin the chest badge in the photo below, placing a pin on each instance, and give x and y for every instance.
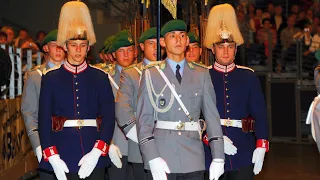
(162, 102)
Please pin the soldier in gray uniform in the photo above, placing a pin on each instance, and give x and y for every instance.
(126, 101)
(171, 96)
(55, 55)
(123, 50)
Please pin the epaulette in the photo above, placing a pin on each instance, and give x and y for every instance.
(35, 68)
(96, 67)
(200, 65)
(209, 67)
(51, 69)
(244, 67)
(131, 66)
(160, 63)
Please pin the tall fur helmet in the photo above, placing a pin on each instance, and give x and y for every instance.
(75, 23)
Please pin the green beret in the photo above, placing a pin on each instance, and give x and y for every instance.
(317, 54)
(193, 37)
(108, 43)
(151, 33)
(51, 36)
(173, 25)
(121, 39)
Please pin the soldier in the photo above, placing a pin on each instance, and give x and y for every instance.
(239, 96)
(30, 97)
(76, 114)
(194, 49)
(169, 136)
(126, 100)
(123, 50)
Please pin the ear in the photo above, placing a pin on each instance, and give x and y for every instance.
(162, 42)
(88, 49)
(45, 48)
(212, 49)
(141, 46)
(200, 50)
(135, 51)
(114, 55)
(65, 47)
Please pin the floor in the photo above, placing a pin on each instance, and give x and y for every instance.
(291, 162)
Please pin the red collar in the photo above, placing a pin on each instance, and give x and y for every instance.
(225, 69)
(75, 69)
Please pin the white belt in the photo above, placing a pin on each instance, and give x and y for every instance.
(170, 125)
(80, 123)
(231, 123)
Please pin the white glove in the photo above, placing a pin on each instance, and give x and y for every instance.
(229, 148)
(59, 167)
(216, 169)
(39, 153)
(88, 162)
(115, 155)
(257, 159)
(159, 168)
(132, 134)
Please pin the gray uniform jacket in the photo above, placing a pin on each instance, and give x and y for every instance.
(182, 150)
(119, 138)
(126, 106)
(30, 103)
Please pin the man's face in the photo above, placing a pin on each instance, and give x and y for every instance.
(23, 34)
(77, 50)
(175, 42)
(266, 24)
(10, 35)
(149, 48)
(291, 21)
(278, 10)
(224, 52)
(3, 40)
(125, 56)
(193, 52)
(55, 52)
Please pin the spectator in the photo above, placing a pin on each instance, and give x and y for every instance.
(315, 42)
(251, 11)
(270, 9)
(263, 34)
(5, 68)
(23, 41)
(244, 27)
(10, 34)
(278, 19)
(295, 9)
(40, 36)
(310, 16)
(256, 22)
(3, 37)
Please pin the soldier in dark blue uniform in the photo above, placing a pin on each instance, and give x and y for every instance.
(76, 112)
(239, 96)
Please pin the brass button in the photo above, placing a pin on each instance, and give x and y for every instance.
(77, 97)
(179, 133)
(227, 96)
(228, 104)
(228, 110)
(227, 89)
(226, 82)
(77, 90)
(77, 105)
(226, 75)
(76, 83)
(179, 109)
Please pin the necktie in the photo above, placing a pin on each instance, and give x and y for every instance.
(178, 75)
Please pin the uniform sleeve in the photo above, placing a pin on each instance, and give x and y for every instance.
(146, 123)
(46, 102)
(29, 108)
(212, 117)
(124, 103)
(107, 110)
(258, 109)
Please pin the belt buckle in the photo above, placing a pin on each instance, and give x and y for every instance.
(80, 123)
(228, 122)
(180, 125)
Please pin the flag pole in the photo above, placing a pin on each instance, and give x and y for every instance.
(158, 30)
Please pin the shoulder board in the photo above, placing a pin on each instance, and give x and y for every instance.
(244, 67)
(35, 68)
(129, 67)
(154, 64)
(209, 67)
(96, 67)
(51, 69)
(200, 65)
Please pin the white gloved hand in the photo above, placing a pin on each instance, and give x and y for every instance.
(88, 162)
(257, 159)
(115, 155)
(159, 168)
(216, 169)
(132, 134)
(39, 153)
(229, 148)
(59, 167)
